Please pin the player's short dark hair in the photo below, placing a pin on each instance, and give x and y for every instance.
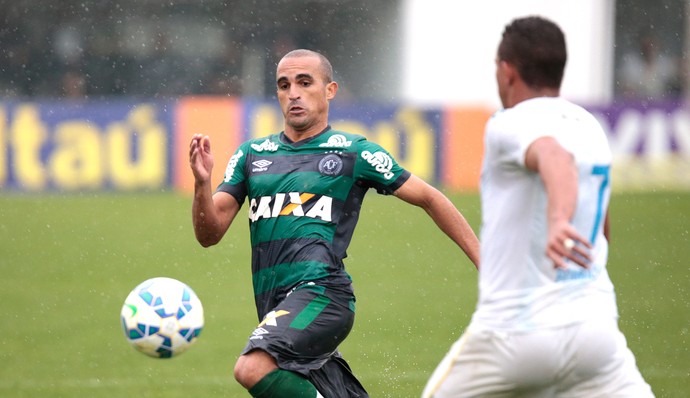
(326, 67)
(536, 47)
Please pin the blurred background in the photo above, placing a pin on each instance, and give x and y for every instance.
(98, 101)
(156, 48)
(151, 48)
(417, 76)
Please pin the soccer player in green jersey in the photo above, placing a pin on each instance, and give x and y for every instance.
(304, 188)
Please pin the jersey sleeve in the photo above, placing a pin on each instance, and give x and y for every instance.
(377, 169)
(235, 177)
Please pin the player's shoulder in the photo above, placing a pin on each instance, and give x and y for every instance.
(354, 143)
(270, 143)
(507, 120)
(338, 139)
(535, 112)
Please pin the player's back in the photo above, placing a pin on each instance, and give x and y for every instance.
(519, 286)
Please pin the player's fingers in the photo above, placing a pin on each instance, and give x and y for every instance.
(582, 251)
(195, 139)
(568, 244)
(206, 144)
(557, 261)
(575, 249)
(556, 258)
(582, 260)
(193, 152)
(560, 247)
(194, 143)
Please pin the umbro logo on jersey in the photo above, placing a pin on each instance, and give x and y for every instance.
(336, 141)
(267, 145)
(261, 165)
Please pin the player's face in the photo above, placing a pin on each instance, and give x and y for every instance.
(303, 94)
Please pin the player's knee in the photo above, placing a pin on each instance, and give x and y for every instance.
(252, 367)
(240, 372)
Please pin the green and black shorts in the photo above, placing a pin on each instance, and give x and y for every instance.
(303, 333)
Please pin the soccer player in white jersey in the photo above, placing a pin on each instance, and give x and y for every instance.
(546, 320)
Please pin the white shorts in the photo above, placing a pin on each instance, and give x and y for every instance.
(589, 360)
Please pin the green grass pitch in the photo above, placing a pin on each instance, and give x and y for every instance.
(68, 262)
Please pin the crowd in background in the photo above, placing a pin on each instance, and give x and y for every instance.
(148, 48)
(75, 54)
(93, 49)
(650, 71)
(71, 68)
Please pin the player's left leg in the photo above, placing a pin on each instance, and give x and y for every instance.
(299, 336)
(471, 368)
(485, 363)
(284, 384)
(605, 365)
(251, 367)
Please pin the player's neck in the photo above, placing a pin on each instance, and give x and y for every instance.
(526, 93)
(298, 135)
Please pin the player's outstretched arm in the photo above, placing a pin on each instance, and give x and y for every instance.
(558, 172)
(448, 218)
(212, 214)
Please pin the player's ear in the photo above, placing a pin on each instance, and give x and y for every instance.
(331, 90)
(509, 71)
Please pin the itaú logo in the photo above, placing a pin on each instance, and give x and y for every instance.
(291, 204)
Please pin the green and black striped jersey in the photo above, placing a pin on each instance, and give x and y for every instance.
(304, 202)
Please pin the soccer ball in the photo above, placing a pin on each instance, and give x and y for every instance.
(162, 317)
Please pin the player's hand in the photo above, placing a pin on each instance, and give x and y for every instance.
(200, 157)
(565, 243)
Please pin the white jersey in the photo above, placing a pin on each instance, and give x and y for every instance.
(519, 288)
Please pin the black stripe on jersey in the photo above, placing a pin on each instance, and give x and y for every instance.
(268, 254)
(315, 254)
(281, 164)
(353, 205)
(239, 191)
(390, 188)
